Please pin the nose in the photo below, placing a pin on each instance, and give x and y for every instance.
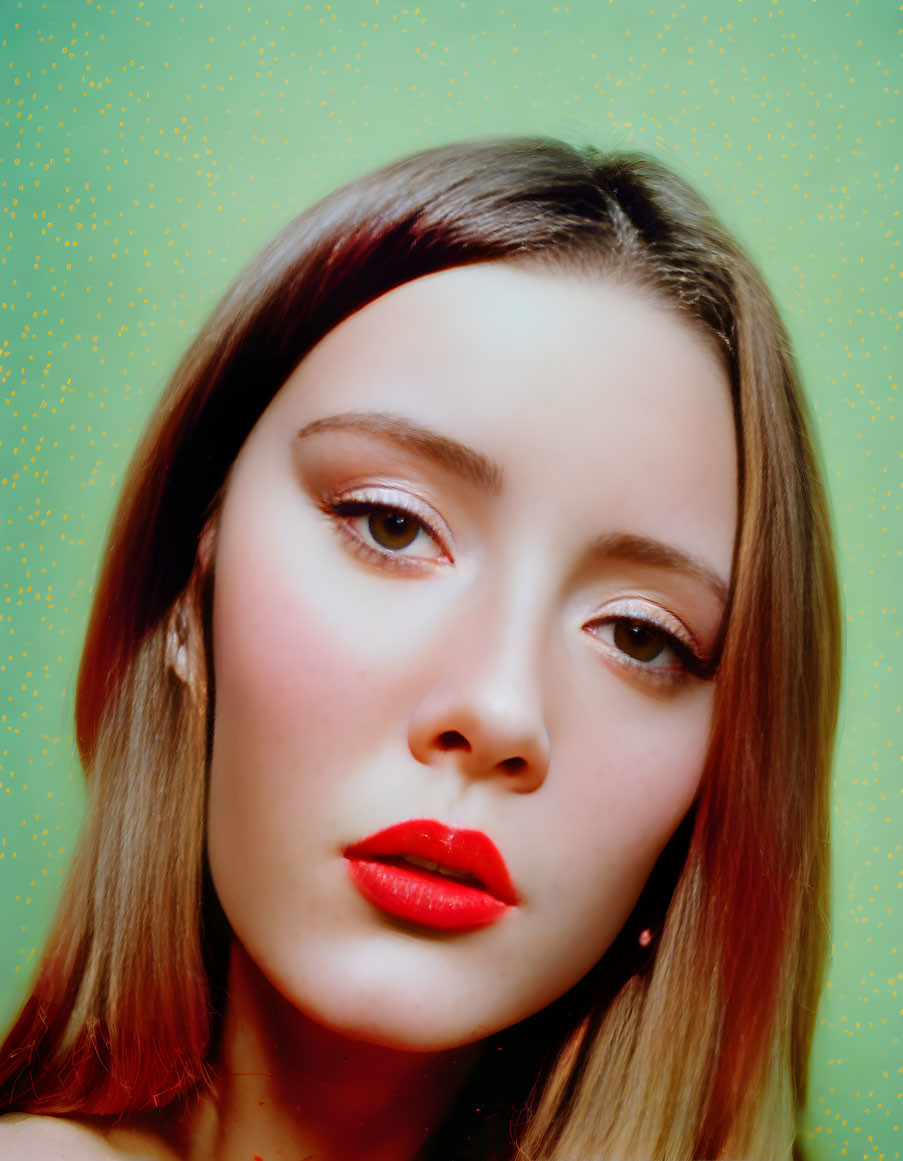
(483, 713)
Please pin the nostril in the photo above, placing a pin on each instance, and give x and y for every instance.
(513, 765)
(452, 740)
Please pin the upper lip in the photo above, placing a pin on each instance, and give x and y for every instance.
(467, 851)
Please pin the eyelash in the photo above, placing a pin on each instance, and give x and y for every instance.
(348, 509)
(690, 663)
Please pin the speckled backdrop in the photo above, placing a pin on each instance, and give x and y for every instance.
(149, 148)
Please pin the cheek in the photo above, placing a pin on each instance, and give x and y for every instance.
(291, 679)
(653, 764)
(312, 676)
(634, 777)
(278, 675)
(290, 740)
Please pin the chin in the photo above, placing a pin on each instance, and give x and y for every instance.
(397, 1021)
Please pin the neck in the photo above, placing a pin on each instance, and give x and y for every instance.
(284, 1082)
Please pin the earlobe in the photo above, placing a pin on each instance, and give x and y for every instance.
(203, 562)
(177, 645)
(185, 631)
(185, 637)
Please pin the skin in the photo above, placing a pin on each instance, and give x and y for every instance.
(339, 671)
(481, 675)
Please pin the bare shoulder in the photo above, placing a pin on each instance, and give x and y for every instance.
(36, 1138)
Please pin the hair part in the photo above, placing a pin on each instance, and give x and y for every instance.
(698, 1050)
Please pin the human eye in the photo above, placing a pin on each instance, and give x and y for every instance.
(649, 642)
(391, 527)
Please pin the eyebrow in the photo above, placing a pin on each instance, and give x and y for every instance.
(463, 461)
(477, 468)
(646, 550)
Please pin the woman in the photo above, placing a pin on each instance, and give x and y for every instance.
(458, 700)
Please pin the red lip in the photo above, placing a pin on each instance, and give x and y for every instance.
(428, 897)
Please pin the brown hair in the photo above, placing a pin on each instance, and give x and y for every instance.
(701, 1048)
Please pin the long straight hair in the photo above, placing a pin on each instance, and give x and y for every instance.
(698, 1049)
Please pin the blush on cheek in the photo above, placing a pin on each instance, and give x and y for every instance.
(642, 757)
(635, 794)
(272, 646)
(281, 682)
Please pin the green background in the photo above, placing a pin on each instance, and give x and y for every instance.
(148, 149)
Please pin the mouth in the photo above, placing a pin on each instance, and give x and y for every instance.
(432, 875)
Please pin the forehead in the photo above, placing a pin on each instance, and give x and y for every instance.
(582, 387)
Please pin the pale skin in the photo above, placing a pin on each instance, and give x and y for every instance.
(559, 455)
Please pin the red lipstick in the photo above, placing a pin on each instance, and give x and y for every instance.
(432, 875)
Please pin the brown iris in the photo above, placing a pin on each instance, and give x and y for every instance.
(639, 641)
(392, 529)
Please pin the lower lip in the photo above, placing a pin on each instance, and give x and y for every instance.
(422, 897)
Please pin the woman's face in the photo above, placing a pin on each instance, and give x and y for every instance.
(469, 576)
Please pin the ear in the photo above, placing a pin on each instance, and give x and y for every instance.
(204, 558)
(185, 634)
